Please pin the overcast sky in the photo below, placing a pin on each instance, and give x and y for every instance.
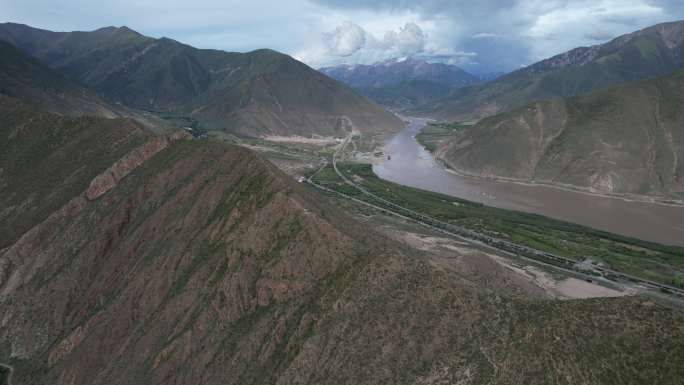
(479, 35)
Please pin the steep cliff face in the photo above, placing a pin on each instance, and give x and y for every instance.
(202, 263)
(626, 139)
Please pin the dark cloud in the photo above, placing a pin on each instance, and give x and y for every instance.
(506, 34)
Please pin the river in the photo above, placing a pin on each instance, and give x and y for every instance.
(412, 165)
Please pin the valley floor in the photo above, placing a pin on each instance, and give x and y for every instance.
(662, 265)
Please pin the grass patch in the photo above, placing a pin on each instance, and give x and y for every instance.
(434, 134)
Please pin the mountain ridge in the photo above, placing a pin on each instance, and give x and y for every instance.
(252, 94)
(393, 71)
(402, 82)
(653, 51)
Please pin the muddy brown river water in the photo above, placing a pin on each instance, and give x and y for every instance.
(412, 165)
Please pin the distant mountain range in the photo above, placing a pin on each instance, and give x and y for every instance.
(257, 93)
(402, 82)
(394, 71)
(653, 51)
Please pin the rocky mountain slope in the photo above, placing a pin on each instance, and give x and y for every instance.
(162, 260)
(626, 139)
(24, 77)
(402, 82)
(654, 51)
(47, 158)
(257, 93)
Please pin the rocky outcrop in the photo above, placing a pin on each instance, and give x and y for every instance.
(48, 159)
(108, 179)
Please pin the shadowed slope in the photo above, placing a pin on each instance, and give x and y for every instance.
(23, 77)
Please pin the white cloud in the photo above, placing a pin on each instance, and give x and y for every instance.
(409, 41)
(348, 38)
(349, 42)
(345, 40)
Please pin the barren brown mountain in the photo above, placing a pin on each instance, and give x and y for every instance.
(165, 260)
(622, 140)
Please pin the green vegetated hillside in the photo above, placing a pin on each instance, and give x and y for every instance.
(257, 93)
(24, 77)
(189, 261)
(650, 52)
(624, 139)
(433, 135)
